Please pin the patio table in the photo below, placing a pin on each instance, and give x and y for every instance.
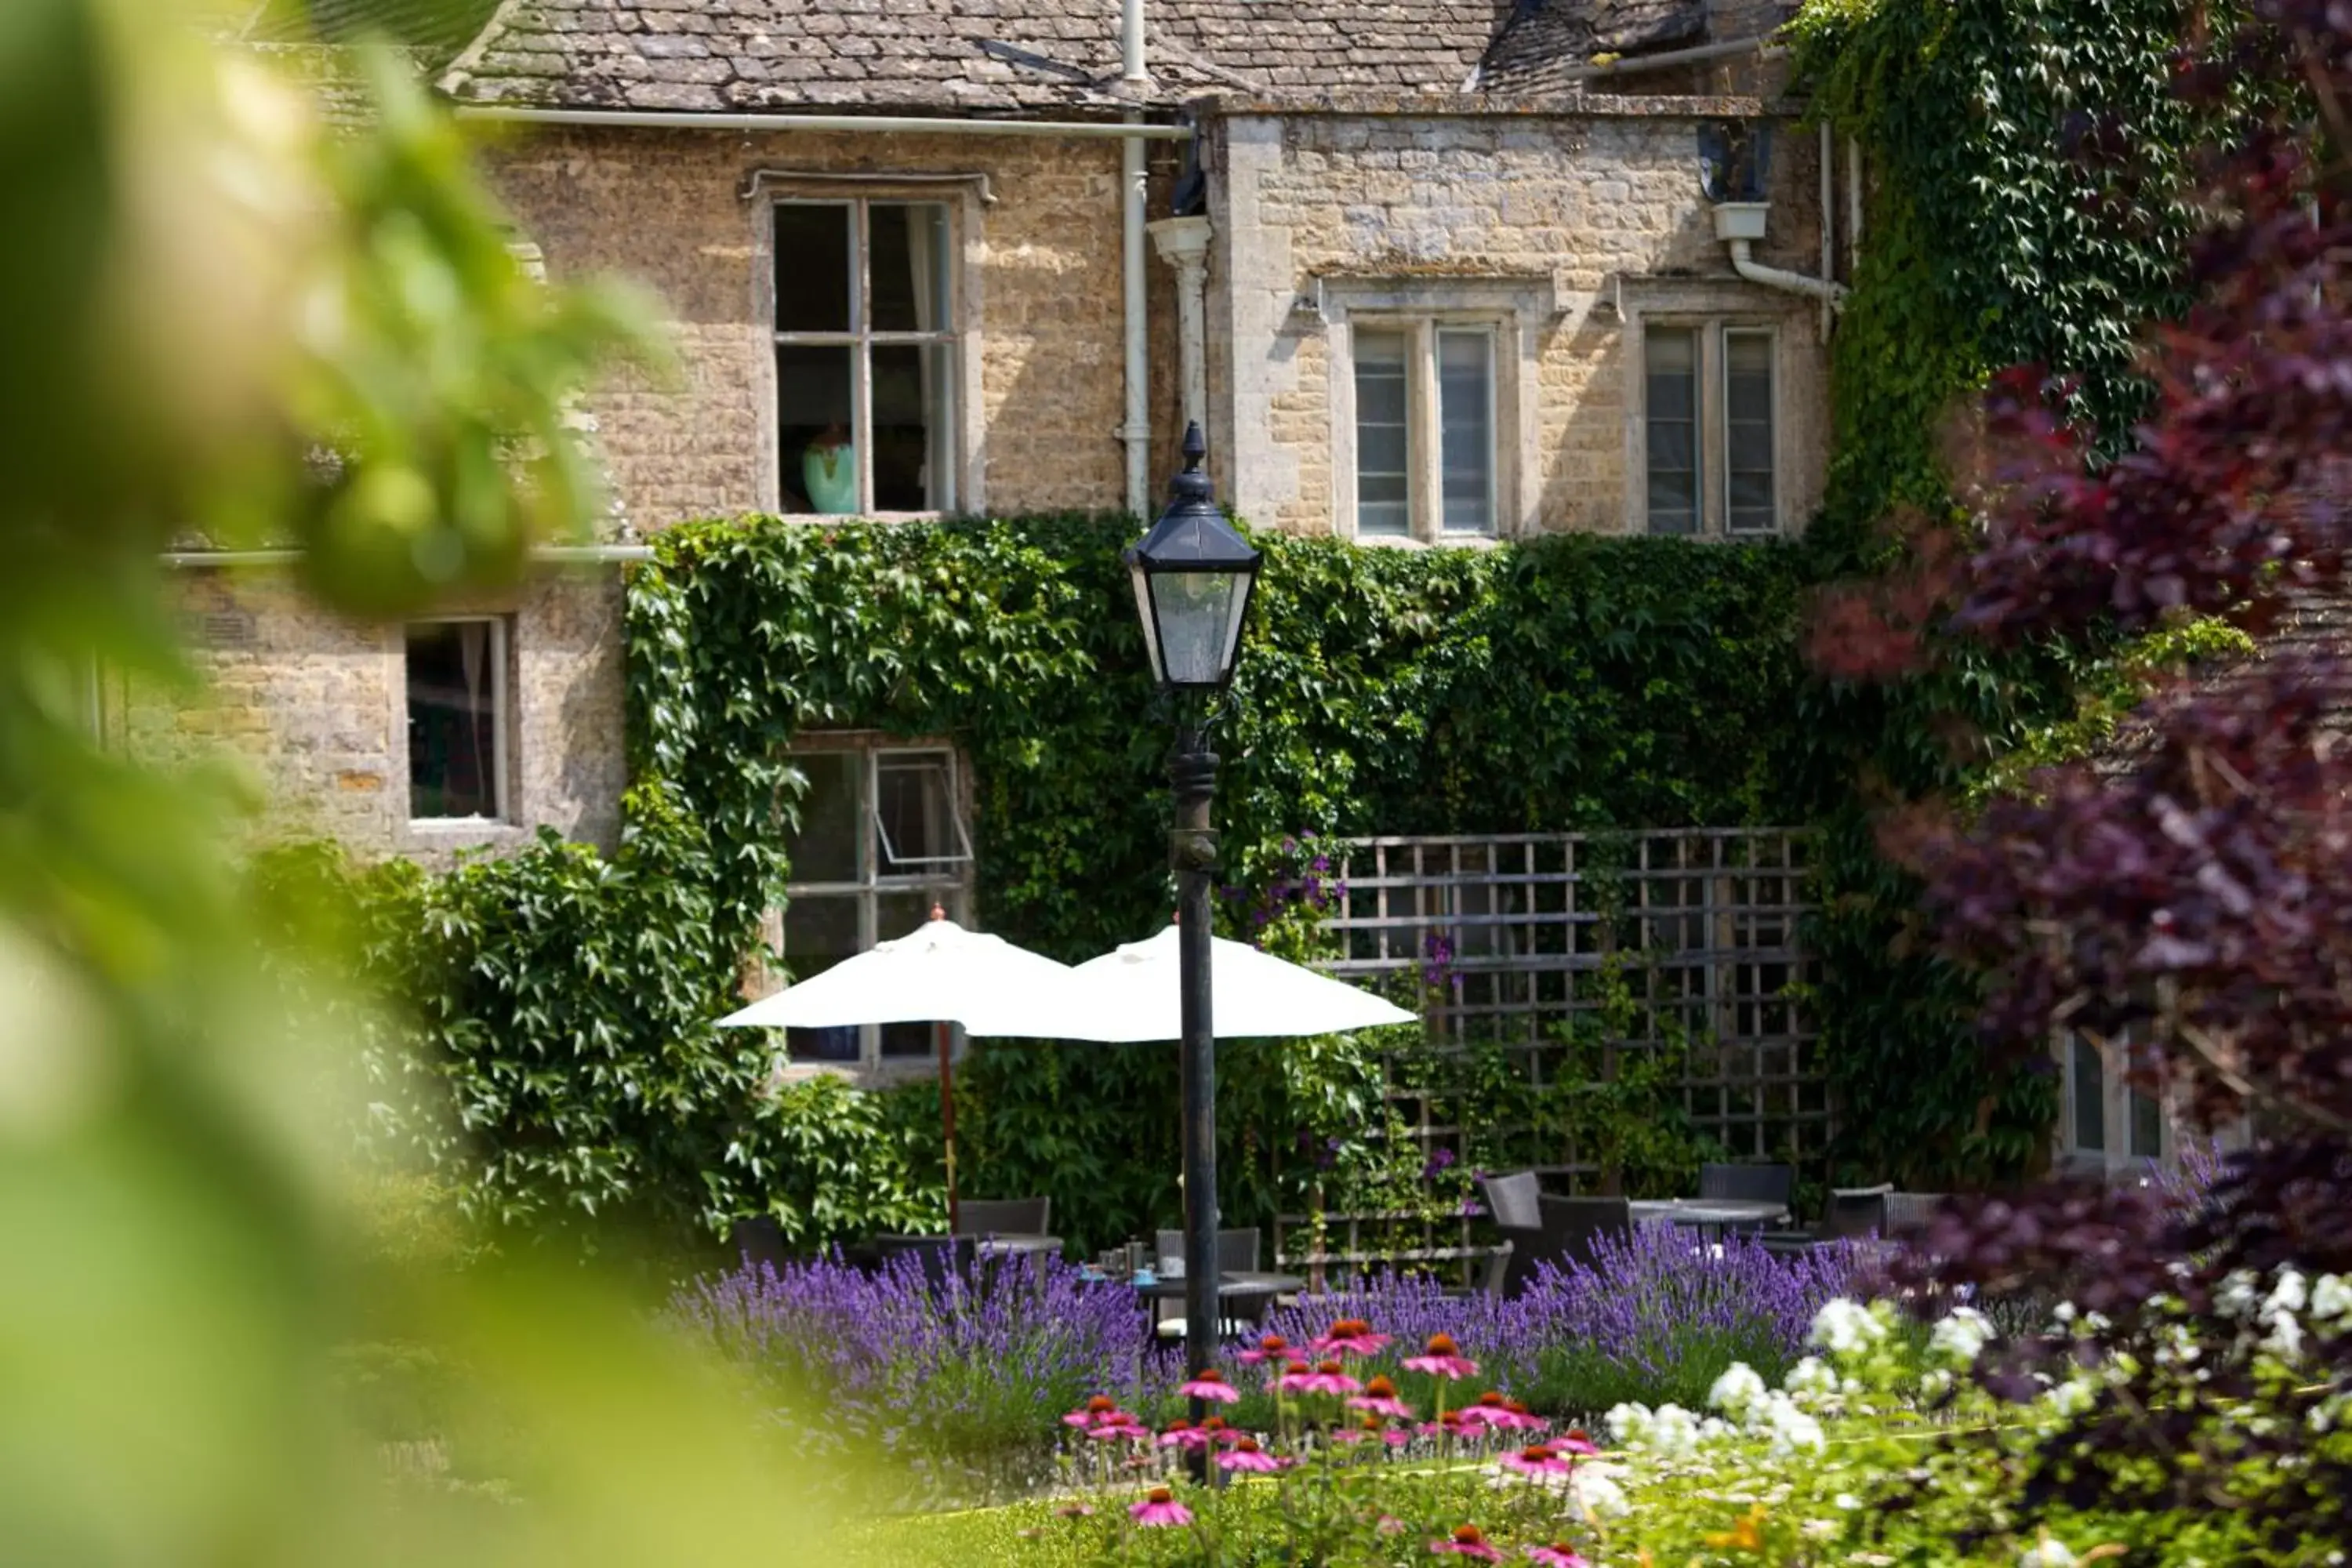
(1707, 1214)
(1018, 1246)
(1235, 1283)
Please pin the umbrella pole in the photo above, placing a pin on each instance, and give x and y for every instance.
(947, 1118)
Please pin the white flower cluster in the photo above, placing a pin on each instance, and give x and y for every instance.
(1960, 1337)
(2282, 1315)
(1670, 1431)
(2047, 1553)
(1847, 1328)
(1766, 1413)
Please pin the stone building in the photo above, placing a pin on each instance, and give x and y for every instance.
(1430, 273)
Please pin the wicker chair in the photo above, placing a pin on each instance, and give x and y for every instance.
(1910, 1212)
(1237, 1253)
(1748, 1184)
(940, 1257)
(1513, 1200)
(1857, 1211)
(758, 1240)
(1004, 1216)
(1566, 1236)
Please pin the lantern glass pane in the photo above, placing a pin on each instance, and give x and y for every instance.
(1198, 613)
(1142, 582)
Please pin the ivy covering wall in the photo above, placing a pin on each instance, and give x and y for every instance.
(1566, 683)
(2027, 167)
(2021, 158)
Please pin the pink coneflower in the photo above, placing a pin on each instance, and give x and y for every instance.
(1538, 1459)
(1557, 1555)
(1092, 1411)
(1184, 1434)
(1492, 1411)
(1449, 1424)
(1329, 1377)
(1273, 1347)
(1441, 1357)
(1117, 1425)
(1074, 1511)
(1388, 1524)
(1380, 1398)
(1575, 1441)
(1158, 1509)
(1213, 1428)
(1211, 1386)
(1247, 1455)
(1351, 1336)
(1468, 1541)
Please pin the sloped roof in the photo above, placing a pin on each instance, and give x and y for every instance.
(987, 56)
(1545, 38)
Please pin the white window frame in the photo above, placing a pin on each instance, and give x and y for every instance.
(961, 195)
(502, 724)
(1714, 372)
(1424, 429)
(1516, 313)
(947, 882)
(2115, 1109)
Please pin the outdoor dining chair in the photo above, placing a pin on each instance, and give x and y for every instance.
(1511, 1200)
(758, 1240)
(1569, 1229)
(1857, 1211)
(1748, 1184)
(939, 1256)
(1909, 1212)
(1237, 1253)
(1004, 1216)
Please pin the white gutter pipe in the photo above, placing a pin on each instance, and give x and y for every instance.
(1135, 430)
(1833, 295)
(550, 554)
(1852, 205)
(926, 125)
(1828, 220)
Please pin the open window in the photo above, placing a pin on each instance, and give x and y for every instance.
(882, 838)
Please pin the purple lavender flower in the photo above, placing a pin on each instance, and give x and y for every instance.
(966, 1372)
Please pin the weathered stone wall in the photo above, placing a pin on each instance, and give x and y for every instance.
(1042, 288)
(1585, 209)
(316, 708)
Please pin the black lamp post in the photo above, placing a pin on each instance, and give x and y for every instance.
(1193, 576)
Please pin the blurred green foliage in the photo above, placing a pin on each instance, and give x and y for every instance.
(202, 294)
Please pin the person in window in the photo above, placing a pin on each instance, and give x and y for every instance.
(829, 471)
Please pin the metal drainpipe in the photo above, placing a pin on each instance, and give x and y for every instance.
(1828, 220)
(1831, 295)
(1135, 430)
(1853, 205)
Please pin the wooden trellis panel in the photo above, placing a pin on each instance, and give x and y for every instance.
(1695, 930)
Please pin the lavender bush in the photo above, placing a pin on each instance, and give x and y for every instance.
(962, 1384)
(1659, 1314)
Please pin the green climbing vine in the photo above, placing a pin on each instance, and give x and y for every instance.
(2028, 205)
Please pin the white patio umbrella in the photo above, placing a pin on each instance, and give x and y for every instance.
(939, 974)
(1131, 994)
